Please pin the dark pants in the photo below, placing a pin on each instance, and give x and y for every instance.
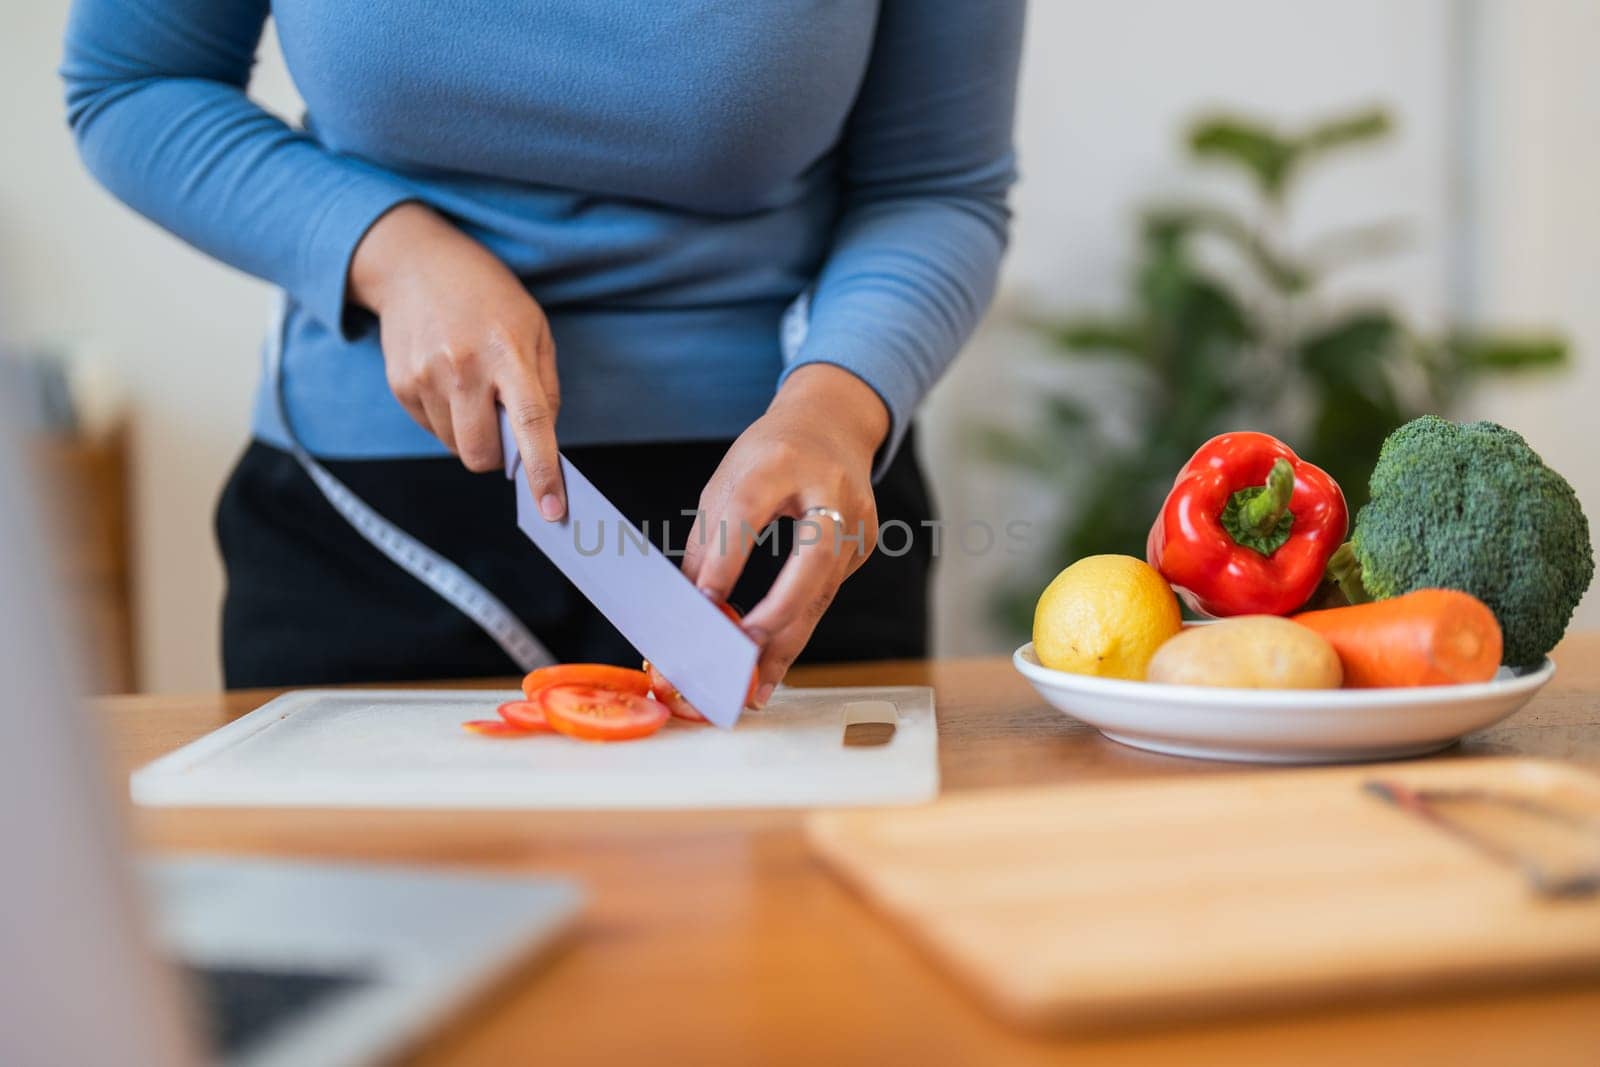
(310, 602)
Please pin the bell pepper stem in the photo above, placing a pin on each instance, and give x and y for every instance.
(1258, 518)
(1261, 513)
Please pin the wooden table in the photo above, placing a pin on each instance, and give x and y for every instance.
(716, 937)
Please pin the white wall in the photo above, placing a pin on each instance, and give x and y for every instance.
(1105, 88)
(179, 330)
(1540, 255)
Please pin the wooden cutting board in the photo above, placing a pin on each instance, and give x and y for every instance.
(1083, 906)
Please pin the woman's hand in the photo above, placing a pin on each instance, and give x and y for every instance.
(812, 449)
(460, 333)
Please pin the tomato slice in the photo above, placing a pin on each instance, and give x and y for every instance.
(594, 675)
(667, 693)
(524, 715)
(494, 728)
(595, 714)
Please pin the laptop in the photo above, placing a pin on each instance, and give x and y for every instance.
(173, 962)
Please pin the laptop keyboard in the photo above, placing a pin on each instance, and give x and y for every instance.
(242, 1005)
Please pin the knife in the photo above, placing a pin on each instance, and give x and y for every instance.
(640, 591)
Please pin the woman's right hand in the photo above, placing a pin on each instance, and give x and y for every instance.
(459, 334)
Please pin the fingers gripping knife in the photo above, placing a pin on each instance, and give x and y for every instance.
(637, 588)
(644, 595)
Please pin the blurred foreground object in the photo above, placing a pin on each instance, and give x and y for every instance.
(81, 983)
(1099, 904)
(77, 438)
(1227, 328)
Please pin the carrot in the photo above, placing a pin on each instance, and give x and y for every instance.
(1429, 637)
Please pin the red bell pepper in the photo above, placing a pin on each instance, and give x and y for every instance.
(1248, 527)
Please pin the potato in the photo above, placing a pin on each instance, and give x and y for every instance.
(1248, 652)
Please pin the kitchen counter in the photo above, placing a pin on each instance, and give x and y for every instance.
(717, 937)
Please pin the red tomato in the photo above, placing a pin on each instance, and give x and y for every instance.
(595, 714)
(524, 715)
(594, 675)
(665, 692)
(494, 728)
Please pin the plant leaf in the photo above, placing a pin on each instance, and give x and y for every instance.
(1213, 311)
(1503, 352)
(1347, 430)
(1359, 127)
(1265, 156)
(1280, 271)
(1092, 334)
(1349, 353)
(1068, 414)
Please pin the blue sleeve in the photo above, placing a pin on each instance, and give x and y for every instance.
(927, 163)
(156, 99)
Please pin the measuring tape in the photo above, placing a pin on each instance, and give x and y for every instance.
(453, 585)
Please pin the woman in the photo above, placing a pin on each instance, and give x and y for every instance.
(596, 214)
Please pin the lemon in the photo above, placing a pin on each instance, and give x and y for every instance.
(1106, 616)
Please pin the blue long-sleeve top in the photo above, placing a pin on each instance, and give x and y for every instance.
(666, 178)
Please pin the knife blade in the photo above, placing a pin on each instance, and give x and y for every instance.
(640, 591)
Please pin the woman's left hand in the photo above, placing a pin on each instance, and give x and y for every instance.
(813, 449)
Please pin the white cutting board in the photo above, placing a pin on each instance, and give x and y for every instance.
(406, 749)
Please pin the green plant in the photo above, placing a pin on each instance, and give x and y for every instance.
(1227, 328)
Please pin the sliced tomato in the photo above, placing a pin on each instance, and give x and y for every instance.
(667, 693)
(525, 715)
(495, 728)
(594, 675)
(595, 714)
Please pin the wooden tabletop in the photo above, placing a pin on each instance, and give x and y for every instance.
(717, 937)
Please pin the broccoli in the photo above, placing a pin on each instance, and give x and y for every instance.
(1470, 506)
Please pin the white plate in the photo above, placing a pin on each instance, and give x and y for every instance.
(1283, 725)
